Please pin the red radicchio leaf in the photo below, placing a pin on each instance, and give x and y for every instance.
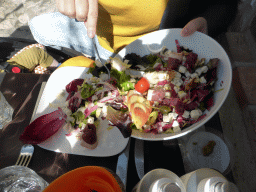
(120, 120)
(173, 63)
(89, 110)
(191, 105)
(168, 126)
(159, 67)
(43, 127)
(209, 103)
(179, 49)
(190, 61)
(211, 75)
(202, 94)
(72, 86)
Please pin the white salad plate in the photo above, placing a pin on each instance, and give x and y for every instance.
(199, 43)
(219, 159)
(110, 141)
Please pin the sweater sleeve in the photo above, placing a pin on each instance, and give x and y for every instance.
(30, 58)
(219, 14)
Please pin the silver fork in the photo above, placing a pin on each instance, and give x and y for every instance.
(98, 55)
(25, 156)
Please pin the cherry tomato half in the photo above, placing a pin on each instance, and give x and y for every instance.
(142, 85)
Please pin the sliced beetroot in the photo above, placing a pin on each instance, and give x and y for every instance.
(173, 63)
(89, 134)
(201, 94)
(43, 127)
(190, 62)
(191, 106)
(75, 101)
(72, 86)
(179, 107)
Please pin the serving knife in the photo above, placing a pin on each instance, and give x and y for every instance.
(139, 157)
(122, 164)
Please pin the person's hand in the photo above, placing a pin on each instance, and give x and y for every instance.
(198, 24)
(81, 10)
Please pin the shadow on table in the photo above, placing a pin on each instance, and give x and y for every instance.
(23, 32)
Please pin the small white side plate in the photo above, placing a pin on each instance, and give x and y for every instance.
(219, 159)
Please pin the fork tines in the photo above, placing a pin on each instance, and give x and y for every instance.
(24, 159)
(25, 156)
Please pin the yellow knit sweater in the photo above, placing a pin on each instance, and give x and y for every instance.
(122, 21)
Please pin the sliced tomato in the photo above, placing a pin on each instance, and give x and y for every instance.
(142, 85)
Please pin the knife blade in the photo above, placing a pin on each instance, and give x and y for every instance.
(122, 164)
(139, 157)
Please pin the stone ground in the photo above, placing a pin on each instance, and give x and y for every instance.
(15, 15)
(238, 113)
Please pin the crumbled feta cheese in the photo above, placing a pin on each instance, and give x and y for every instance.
(176, 89)
(195, 114)
(168, 95)
(98, 112)
(203, 80)
(176, 129)
(150, 94)
(175, 124)
(104, 111)
(177, 75)
(182, 69)
(167, 87)
(173, 115)
(182, 94)
(155, 77)
(177, 81)
(204, 69)
(162, 76)
(186, 114)
(199, 71)
(194, 75)
(187, 74)
(90, 120)
(167, 118)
